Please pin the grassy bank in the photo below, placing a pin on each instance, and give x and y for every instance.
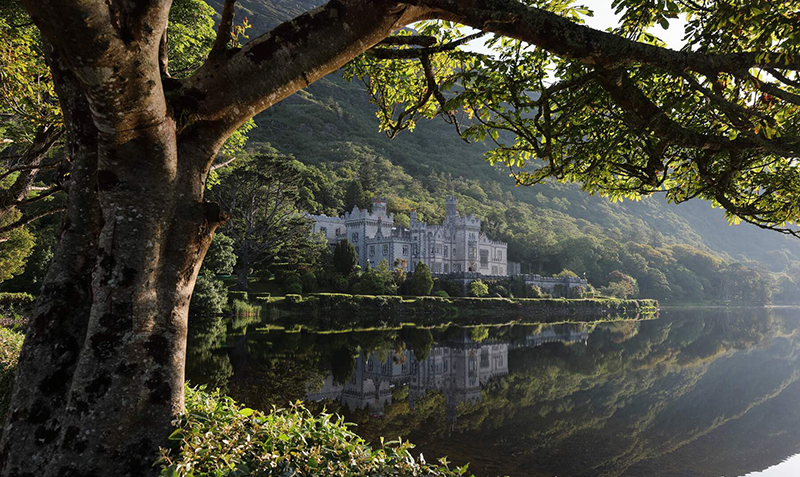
(335, 310)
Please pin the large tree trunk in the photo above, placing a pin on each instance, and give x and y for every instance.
(58, 324)
(102, 369)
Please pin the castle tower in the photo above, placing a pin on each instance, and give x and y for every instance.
(450, 208)
(379, 206)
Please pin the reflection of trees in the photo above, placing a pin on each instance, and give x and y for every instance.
(629, 396)
(634, 395)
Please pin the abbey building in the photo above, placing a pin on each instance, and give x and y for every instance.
(457, 245)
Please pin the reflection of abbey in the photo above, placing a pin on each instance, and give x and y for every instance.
(457, 245)
(457, 369)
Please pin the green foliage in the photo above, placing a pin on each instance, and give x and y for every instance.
(220, 258)
(355, 197)
(477, 288)
(15, 247)
(421, 280)
(345, 258)
(218, 437)
(190, 35)
(566, 273)
(237, 295)
(478, 333)
(10, 346)
(209, 297)
(441, 294)
(308, 281)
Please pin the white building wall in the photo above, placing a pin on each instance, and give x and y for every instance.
(455, 246)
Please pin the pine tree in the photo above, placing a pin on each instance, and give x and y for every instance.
(345, 258)
(421, 281)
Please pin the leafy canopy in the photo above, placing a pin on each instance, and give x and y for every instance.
(617, 112)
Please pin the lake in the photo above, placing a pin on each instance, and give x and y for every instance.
(692, 393)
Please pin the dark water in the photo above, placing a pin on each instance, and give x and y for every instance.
(693, 393)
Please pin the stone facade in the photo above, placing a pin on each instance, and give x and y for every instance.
(455, 246)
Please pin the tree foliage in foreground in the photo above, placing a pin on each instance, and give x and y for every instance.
(624, 116)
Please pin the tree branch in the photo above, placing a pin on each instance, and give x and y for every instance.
(411, 53)
(645, 113)
(224, 31)
(223, 164)
(568, 39)
(27, 219)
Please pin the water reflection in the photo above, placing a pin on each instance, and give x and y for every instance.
(694, 393)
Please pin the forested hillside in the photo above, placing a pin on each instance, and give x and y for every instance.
(549, 226)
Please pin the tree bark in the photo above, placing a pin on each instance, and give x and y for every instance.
(58, 324)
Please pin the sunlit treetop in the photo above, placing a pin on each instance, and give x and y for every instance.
(616, 111)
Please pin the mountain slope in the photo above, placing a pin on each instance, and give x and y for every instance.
(329, 119)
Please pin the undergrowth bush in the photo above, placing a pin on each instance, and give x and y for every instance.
(217, 437)
(10, 344)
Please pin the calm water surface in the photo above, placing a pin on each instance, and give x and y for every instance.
(694, 393)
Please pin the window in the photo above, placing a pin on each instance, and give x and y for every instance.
(404, 367)
(472, 364)
(499, 254)
(445, 250)
(433, 249)
(445, 365)
(338, 231)
(386, 250)
(369, 365)
(371, 250)
(472, 236)
(354, 236)
(416, 249)
(485, 258)
(405, 250)
(494, 270)
(446, 268)
(358, 251)
(472, 252)
(324, 230)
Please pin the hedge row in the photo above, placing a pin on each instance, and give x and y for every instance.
(342, 310)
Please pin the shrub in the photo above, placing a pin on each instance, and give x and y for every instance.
(10, 344)
(442, 294)
(499, 290)
(294, 288)
(215, 436)
(577, 292)
(294, 298)
(341, 283)
(421, 281)
(345, 258)
(209, 297)
(452, 288)
(478, 288)
(535, 292)
(291, 282)
(308, 281)
(11, 304)
(565, 273)
(237, 295)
